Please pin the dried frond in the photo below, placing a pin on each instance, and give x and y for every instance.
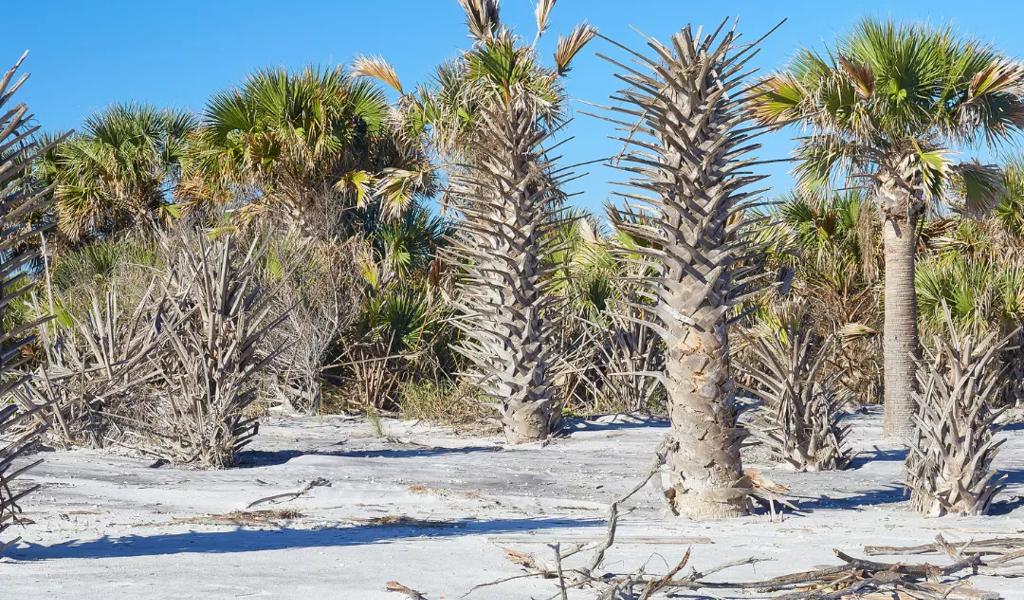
(378, 68)
(571, 45)
(483, 17)
(542, 12)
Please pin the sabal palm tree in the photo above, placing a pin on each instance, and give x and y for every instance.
(317, 145)
(490, 116)
(886, 108)
(117, 172)
(687, 159)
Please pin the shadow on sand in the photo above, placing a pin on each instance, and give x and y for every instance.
(257, 540)
(890, 494)
(261, 458)
(863, 458)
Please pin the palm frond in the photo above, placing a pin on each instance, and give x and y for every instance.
(483, 17)
(571, 45)
(378, 68)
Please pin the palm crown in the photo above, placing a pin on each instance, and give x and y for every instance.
(284, 136)
(892, 97)
(118, 168)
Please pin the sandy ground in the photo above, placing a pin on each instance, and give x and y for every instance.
(433, 511)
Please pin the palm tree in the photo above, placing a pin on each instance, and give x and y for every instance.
(117, 172)
(20, 196)
(490, 115)
(686, 155)
(885, 108)
(318, 145)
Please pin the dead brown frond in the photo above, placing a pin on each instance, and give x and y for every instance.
(483, 17)
(542, 13)
(378, 68)
(571, 45)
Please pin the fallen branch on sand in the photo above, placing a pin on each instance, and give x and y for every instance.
(394, 586)
(278, 498)
(856, 578)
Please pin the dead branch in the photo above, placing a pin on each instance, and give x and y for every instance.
(278, 498)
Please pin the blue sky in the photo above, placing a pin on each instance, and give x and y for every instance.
(87, 55)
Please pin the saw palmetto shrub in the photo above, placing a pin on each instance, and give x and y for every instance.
(215, 316)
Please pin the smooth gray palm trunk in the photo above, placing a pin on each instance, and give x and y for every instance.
(900, 341)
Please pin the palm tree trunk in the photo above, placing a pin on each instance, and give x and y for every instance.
(900, 343)
(511, 205)
(703, 454)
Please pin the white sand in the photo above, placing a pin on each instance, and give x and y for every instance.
(109, 527)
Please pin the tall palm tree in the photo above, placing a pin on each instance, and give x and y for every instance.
(490, 116)
(687, 158)
(20, 196)
(317, 145)
(886, 108)
(117, 172)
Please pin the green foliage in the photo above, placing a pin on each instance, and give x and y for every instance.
(116, 173)
(295, 139)
(889, 97)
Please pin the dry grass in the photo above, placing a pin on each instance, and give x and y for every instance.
(246, 518)
(456, 406)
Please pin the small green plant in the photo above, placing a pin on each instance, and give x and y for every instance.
(376, 424)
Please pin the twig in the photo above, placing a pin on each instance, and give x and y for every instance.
(318, 482)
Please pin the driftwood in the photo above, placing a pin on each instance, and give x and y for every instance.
(318, 482)
(394, 586)
(854, 578)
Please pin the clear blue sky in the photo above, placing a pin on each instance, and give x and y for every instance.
(87, 55)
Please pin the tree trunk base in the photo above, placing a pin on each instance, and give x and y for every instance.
(525, 424)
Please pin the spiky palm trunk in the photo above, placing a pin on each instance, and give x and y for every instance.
(511, 204)
(686, 154)
(900, 212)
(19, 199)
(949, 467)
